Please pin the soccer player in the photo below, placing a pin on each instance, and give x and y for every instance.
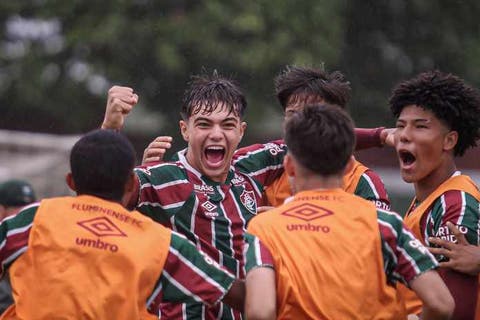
(87, 257)
(296, 87)
(438, 119)
(14, 195)
(328, 254)
(200, 193)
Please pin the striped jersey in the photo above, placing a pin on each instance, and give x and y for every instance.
(456, 200)
(212, 215)
(329, 250)
(96, 256)
(358, 180)
(370, 187)
(457, 206)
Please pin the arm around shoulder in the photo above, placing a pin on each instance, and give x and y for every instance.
(462, 256)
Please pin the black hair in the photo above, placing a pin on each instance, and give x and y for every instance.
(206, 93)
(101, 163)
(321, 137)
(452, 101)
(304, 84)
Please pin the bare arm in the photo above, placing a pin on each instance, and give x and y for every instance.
(260, 300)
(120, 102)
(437, 301)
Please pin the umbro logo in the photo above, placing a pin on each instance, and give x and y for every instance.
(101, 227)
(211, 209)
(307, 212)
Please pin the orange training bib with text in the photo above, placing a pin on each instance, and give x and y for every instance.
(326, 247)
(88, 258)
(412, 221)
(279, 190)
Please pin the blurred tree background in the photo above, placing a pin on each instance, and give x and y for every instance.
(58, 58)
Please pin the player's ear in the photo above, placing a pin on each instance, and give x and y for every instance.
(129, 190)
(450, 140)
(184, 129)
(130, 184)
(288, 165)
(350, 164)
(243, 127)
(70, 182)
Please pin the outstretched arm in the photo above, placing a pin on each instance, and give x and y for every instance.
(120, 102)
(438, 303)
(376, 137)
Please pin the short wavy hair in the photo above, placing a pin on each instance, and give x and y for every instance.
(321, 137)
(451, 100)
(206, 93)
(302, 84)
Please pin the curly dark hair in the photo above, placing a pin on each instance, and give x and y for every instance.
(211, 92)
(301, 83)
(321, 138)
(451, 100)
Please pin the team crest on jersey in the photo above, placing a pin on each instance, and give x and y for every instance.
(248, 200)
(211, 209)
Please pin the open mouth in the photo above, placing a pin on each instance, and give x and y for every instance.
(406, 157)
(214, 154)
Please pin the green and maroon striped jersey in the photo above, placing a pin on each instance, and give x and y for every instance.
(456, 206)
(187, 276)
(212, 215)
(404, 256)
(371, 187)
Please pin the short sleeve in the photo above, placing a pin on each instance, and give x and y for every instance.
(405, 257)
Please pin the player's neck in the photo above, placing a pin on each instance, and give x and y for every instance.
(428, 184)
(315, 182)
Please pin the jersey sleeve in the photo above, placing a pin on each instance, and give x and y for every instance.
(189, 276)
(263, 162)
(459, 208)
(404, 256)
(256, 254)
(14, 235)
(368, 138)
(163, 188)
(371, 187)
